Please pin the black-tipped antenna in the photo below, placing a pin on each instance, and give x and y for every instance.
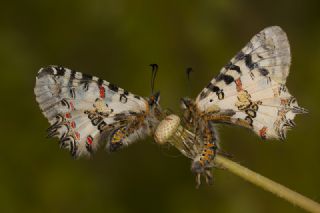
(188, 71)
(153, 76)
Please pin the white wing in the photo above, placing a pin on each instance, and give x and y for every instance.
(83, 109)
(250, 90)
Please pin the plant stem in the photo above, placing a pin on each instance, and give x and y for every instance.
(268, 185)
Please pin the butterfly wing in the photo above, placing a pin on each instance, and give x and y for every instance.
(84, 110)
(250, 90)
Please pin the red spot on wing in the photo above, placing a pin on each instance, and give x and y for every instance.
(238, 85)
(68, 115)
(73, 124)
(89, 140)
(263, 132)
(102, 92)
(71, 105)
(77, 135)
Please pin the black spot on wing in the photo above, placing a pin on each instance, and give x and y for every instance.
(96, 120)
(100, 81)
(123, 98)
(235, 67)
(231, 66)
(86, 77)
(85, 86)
(65, 103)
(249, 120)
(45, 71)
(72, 75)
(85, 81)
(263, 71)
(226, 78)
(101, 126)
(248, 61)
(220, 95)
(251, 113)
(137, 97)
(113, 87)
(213, 88)
(72, 93)
(70, 81)
(60, 71)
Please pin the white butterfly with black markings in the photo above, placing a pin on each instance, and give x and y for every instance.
(84, 111)
(250, 92)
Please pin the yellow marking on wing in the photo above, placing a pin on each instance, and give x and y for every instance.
(118, 135)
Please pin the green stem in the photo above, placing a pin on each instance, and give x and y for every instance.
(268, 185)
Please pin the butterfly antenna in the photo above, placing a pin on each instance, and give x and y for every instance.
(189, 70)
(154, 70)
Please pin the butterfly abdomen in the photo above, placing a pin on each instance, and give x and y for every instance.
(208, 151)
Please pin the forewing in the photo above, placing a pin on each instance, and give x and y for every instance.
(82, 109)
(250, 90)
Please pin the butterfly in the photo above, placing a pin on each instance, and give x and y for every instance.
(84, 110)
(249, 91)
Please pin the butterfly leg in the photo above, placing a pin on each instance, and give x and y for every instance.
(198, 180)
(209, 177)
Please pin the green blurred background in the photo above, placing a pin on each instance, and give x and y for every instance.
(117, 40)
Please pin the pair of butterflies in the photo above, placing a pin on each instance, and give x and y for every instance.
(84, 111)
